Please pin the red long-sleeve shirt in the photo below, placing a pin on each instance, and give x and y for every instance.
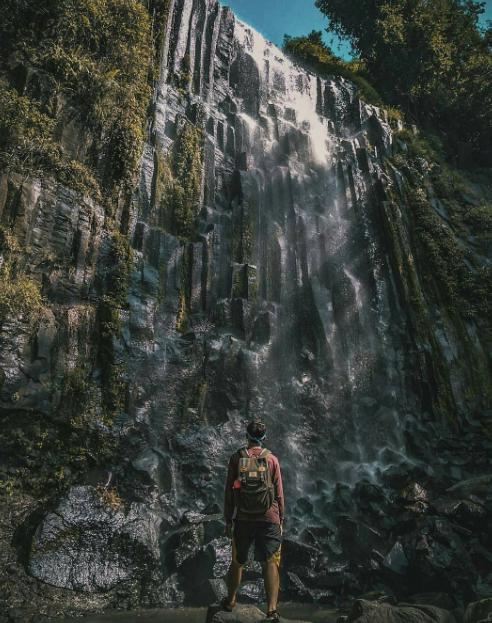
(275, 514)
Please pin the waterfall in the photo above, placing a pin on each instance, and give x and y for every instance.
(313, 343)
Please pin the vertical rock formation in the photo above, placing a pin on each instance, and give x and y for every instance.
(274, 274)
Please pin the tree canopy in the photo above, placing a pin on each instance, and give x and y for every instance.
(431, 58)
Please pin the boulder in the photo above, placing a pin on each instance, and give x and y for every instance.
(440, 600)
(359, 540)
(205, 593)
(439, 559)
(396, 560)
(91, 544)
(479, 611)
(241, 614)
(480, 487)
(466, 512)
(182, 544)
(377, 612)
(295, 554)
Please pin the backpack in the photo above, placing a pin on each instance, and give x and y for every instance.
(256, 492)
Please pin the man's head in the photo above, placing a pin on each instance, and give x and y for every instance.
(256, 432)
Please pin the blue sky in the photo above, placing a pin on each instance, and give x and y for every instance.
(274, 18)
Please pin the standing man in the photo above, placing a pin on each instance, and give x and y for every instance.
(254, 513)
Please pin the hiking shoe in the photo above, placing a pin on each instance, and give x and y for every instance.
(273, 616)
(226, 605)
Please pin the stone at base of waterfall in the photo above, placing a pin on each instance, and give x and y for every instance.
(376, 612)
(240, 614)
(479, 611)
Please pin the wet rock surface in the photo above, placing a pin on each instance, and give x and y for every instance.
(87, 545)
(372, 612)
(284, 300)
(241, 614)
(479, 611)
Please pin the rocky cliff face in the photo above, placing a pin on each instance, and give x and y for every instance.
(277, 267)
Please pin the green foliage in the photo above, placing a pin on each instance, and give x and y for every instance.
(185, 290)
(314, 54)
(19, 293)
(27, 142)
(178, 182)
(120, 266)
(25, 132)
(479, 220)
(182, 79)
(182, 315)
(49, 454)
(430, 58)
(114, 385)
(448, 266)
(242, 237)
(89, 60)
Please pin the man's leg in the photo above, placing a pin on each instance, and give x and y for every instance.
(268, 549)
(272, 582)
(234, 577)
(240, 546)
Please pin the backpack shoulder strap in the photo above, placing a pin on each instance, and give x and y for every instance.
(264, 453)
(243, 453)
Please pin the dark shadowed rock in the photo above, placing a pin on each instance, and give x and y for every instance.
(479, 611)
(359, 540)
(396, 560)
(376, 612)
(296, 554)
(205, 593)
(480, 487)
(440, 600)
(241, 614)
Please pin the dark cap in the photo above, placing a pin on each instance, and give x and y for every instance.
(256, 430)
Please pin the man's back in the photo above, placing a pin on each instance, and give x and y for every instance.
(275, 513)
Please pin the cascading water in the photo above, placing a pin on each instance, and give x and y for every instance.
(311, 342)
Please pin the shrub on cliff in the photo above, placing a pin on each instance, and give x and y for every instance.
(429, 57)
(313, 53)
(88, 61)
(19, 293)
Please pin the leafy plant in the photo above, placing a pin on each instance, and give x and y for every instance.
(430, 58)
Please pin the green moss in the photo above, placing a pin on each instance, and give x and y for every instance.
(182, 79)
(181, 318)
(185, 289)
(89, 60)
(479, 220)
(159, 12)
(242, 235)
(114, 384)
(449, 268)
(120, 263)
(20, 294)
(187, 163)
(406, 269)
(240, 282)
(178, 181)
(395, 116)
(445, 274)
